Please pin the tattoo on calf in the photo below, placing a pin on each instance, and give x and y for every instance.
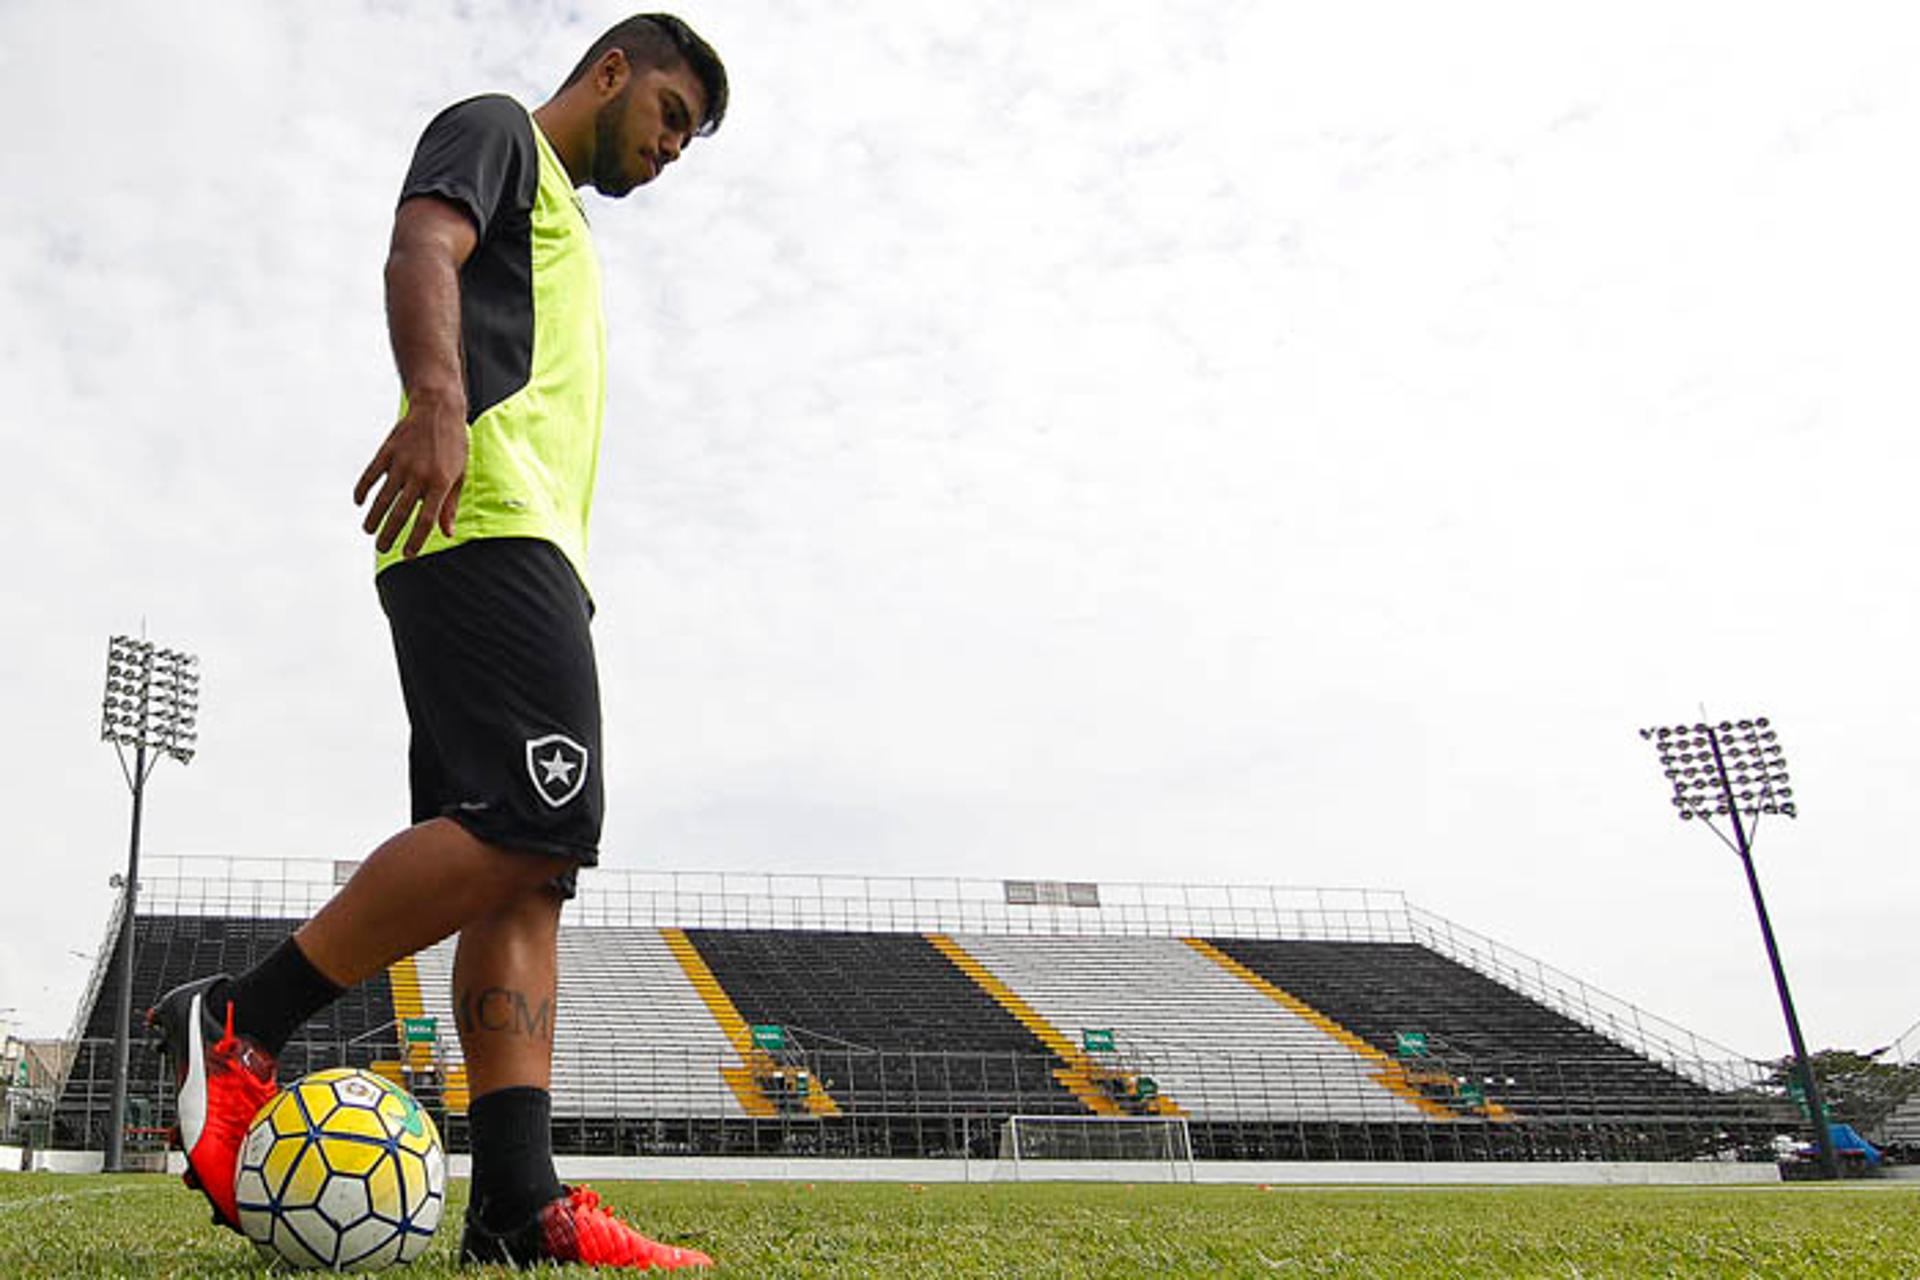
(504, 1009)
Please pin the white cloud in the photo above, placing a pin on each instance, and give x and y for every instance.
(1227, 441)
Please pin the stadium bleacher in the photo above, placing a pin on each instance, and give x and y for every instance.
(890, 1029)
(632, 1036)
(872, 1027)
(1212, 1044)
(1901, 1131)
(169, 950)
(1485, 1037)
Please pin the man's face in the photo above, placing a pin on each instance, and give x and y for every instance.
(644, 128)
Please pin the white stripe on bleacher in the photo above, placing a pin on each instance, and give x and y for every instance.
(1216, 1047)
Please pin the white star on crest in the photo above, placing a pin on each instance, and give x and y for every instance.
(559, 768)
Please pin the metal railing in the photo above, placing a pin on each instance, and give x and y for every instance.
(294, 888)
(1905, 1049)
(102, 961)
(1647, 1034)
(612, 1098)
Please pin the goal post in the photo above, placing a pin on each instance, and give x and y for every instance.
(1163, 1139)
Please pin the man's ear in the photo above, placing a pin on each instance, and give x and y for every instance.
(611, 73)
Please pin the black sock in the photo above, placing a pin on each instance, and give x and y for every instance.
(273, 998)
(512, 1137)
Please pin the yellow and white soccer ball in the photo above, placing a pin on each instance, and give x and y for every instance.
(342, 1170)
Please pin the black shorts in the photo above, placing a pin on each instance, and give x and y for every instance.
(496, 665)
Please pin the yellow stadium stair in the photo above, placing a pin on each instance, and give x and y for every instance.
(1388, 1072)
(743, 1080)
(453, 1089)
(1081, 1075)
(403, 976)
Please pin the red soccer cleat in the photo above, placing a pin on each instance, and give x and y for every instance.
(575, 1228)
(223, 1081)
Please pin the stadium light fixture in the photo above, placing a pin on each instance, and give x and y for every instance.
(152, 704)
(1736, 770)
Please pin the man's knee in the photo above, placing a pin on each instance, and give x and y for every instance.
(540, 904)
(517, 868)
(532, 908)
(540, 876)
(522, 873)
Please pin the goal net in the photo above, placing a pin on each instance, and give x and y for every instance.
(1096, 1138)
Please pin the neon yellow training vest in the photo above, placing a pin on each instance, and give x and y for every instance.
(535, 416)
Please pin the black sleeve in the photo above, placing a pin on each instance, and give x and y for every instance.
(480, 155)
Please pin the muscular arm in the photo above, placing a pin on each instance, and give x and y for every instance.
(423, 460)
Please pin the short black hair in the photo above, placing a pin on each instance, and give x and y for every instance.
(664, 41)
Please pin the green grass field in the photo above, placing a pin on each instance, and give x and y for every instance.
(55, 1225)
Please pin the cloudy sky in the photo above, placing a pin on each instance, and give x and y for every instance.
(1226, 441)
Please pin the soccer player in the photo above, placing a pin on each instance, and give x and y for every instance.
(480, 498)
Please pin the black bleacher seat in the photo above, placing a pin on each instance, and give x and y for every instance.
(170, 950)
(1518, 1052)
(887, 1022)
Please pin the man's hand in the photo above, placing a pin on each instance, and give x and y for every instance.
(424, 462)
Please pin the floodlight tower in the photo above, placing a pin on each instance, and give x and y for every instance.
(1728, 770)
(152, 699)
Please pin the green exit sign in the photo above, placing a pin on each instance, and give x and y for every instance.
(769, 1035)
(422, 1030)
(1097, 1039)
(1411, 1044)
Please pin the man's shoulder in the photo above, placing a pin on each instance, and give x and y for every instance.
(488, 111)
(481, 155)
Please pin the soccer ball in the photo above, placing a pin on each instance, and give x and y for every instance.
(342, 1170)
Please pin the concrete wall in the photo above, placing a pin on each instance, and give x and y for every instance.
(71, 1161)
(1291, 1173)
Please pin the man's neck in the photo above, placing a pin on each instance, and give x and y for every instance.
(570, 142)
